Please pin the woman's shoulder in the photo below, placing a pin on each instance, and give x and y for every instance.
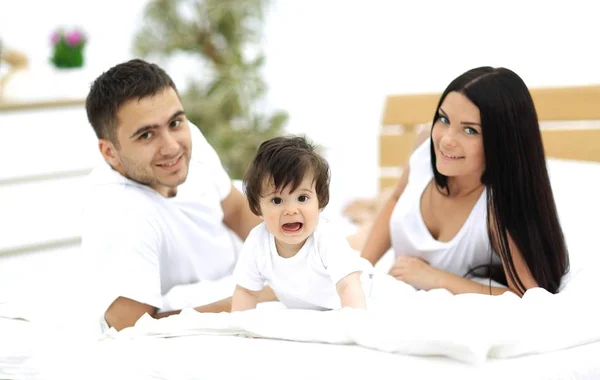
(419, 162)
(421, 150)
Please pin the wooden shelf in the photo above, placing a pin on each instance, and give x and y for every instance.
(42, 104)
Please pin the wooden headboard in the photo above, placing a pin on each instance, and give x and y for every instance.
(569, 119)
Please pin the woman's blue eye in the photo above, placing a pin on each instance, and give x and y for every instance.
(444, 119)
(277, 201)
(471, 131)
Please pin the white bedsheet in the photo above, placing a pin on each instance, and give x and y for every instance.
(60, 356)
(427, 334)
(541, 336)
(227, 357)
(469, 328)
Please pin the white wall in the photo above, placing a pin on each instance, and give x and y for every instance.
(26, 25)
(331, 62)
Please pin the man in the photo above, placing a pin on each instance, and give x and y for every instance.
(161, 209)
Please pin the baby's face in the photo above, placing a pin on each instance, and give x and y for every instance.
(291, 216)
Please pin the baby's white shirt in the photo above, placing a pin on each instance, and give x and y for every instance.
(308, 279)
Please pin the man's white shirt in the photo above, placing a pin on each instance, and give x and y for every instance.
(141, 244)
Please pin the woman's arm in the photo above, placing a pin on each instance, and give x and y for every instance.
(460, 285)
(521, 269)
(418, 273)
(378, 240)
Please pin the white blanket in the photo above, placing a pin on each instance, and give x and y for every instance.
(470, 328)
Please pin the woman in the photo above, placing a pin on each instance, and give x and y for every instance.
(475, 197)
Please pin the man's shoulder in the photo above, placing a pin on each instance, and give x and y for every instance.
(202, 151)
(117, 198)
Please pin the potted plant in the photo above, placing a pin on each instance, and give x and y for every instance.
(225, 100)
(67, 48)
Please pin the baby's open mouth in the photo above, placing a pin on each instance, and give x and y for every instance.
(292, 227)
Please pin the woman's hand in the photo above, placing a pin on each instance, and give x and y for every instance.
(416, 272)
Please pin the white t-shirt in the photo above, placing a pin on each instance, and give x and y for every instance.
(306, 280)
(141, 244)
(411, 237)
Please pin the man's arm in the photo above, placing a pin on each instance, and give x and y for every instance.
(237, 215)
(125, 312)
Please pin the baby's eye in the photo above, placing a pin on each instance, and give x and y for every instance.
(277, 201)
(302, 198)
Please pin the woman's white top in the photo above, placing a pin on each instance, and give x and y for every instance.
(411, 237)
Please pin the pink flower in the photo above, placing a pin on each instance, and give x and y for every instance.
(55, 37)
(74, 38)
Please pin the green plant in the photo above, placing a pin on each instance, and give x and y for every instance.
(67, 48)
(222, 100)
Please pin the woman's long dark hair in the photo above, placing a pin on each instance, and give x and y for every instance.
(519, 194)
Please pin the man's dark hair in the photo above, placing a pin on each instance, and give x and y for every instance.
(286, 160)
(134, 79)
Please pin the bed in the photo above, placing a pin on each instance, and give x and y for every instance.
(569, 118)
(470, 337)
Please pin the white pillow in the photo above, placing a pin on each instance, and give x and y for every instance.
(575, 186)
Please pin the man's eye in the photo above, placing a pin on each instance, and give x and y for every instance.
(175, 123)
(145, 136)
(277, 201)
(302, 198)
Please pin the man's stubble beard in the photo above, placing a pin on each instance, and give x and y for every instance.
(145, 175)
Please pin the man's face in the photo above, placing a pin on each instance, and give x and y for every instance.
(154, 142)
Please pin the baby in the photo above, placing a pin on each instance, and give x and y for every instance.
(296, 252)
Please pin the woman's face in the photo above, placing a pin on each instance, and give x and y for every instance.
(457, 137)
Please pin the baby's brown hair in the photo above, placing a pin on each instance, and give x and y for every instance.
(286, 160)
